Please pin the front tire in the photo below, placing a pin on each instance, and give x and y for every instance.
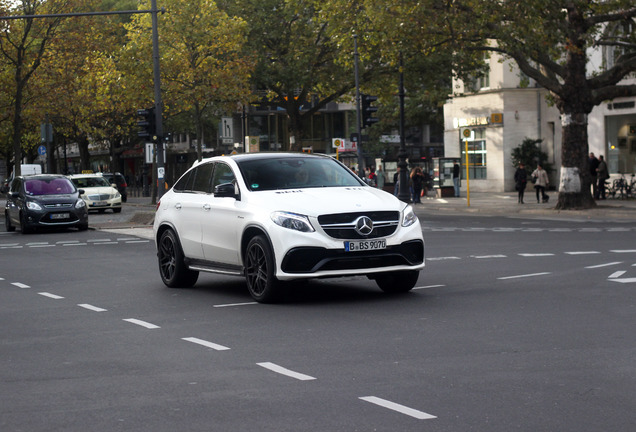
(172, 268)
(24, 226)
(259, 271)
(397, 282)
(7, 223)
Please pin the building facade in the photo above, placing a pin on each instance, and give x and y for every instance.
(505, 107)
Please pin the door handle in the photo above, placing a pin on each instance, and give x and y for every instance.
(207, 207)
(177, 206)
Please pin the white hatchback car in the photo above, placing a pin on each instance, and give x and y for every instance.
(98, 193)
(276, 217)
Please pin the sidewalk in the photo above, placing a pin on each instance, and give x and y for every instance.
(505, 203)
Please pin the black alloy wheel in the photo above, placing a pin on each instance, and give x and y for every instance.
(173, 270)
(259, 271)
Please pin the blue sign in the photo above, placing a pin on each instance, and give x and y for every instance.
(42, 150)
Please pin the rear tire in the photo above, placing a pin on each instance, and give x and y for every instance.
(172, 268)
(259, 271)
(397, 282)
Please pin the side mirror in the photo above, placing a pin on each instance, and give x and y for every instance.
(14, 194)
(225, 190)
(81, 191)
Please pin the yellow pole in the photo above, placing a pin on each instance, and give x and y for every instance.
(467, 176)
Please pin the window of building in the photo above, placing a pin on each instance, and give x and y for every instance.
(476, 155)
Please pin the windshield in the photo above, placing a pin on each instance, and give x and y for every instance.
(88, 182)
(293, 173)
(56, 186)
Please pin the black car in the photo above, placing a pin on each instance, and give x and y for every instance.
(46, 200)
(119, 180)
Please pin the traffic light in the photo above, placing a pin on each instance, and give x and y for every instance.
(367, 110)
(147, 125)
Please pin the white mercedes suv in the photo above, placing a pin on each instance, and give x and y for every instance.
(277, 217)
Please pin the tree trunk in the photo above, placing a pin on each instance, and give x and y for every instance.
(85, 156)
(575, 182)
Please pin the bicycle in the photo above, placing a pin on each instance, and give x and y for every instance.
(622, 187)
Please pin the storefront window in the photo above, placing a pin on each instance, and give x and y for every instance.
(476, 154)
(621, 144)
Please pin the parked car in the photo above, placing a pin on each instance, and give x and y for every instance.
(98, 193)
(276, 217)
(45, 200)
(119, 180)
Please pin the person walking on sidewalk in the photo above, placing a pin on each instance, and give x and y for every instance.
(456, 179)
(541, 182)
(593, 166)
(602, 174)
(521, 179)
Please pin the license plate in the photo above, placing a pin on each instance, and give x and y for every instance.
(100, 203)
(60, 215)
(364, 245)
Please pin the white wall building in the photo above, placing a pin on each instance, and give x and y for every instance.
(505, 107)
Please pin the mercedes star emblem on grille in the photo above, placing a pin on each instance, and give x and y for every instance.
(364, 225)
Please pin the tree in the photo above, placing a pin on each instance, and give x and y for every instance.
(551, 42)
(23, 44)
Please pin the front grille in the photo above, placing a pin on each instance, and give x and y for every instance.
(99, 197)
(342, 225)
(58, 206)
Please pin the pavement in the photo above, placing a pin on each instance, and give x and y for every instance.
(138, 213)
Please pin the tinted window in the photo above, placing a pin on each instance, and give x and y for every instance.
(301, 172)
(202, 176)
(222, 174)
(87, 182)
(182, 184)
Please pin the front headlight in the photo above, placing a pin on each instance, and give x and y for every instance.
(117, 195)
(33, 205)
(408, 217)
(80, 204)
(292, 221)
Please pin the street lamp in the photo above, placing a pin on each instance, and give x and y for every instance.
(404, 191)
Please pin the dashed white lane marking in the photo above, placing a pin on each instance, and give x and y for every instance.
(626, 280)
(582, 253)
(206, 343)
(142, 323)
(20, 285)
(604, 265)
(53, 296)
(623, 251)
(616, 274)
(525, 275)
(91, 307)
(428, 286)
(420, 415)
(63, 242)
(137, 241)
(284, 371)
(488, 256)
(75, 244)
(98, 240)
(536, 254)
(234, 304)
(42, 246)
(442, 258)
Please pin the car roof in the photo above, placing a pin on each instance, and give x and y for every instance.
(260, 155)
(84, 175)
(42, 176)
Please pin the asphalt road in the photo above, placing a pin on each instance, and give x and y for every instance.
(515, 324)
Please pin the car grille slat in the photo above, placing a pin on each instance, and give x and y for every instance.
(57, 206)
(99, 197)
(342, 225)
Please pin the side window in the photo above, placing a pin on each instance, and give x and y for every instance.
(202, 178)
(222, 174)
(15, 185)
(185, 182)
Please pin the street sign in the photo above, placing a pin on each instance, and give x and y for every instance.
(227, 128)
(42, 150)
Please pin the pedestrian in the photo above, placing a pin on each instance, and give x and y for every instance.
(521, 179)
(456, 179)
(417, 181)
(396, 182)
(372, 177)
(602, 174)
(593, 167)
(541, 181)
(379, 177)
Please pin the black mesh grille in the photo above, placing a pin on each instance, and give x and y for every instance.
(342, 225)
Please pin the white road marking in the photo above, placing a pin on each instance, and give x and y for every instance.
(525, 275)
(36, 243)
(67, 242)
(283, 371)
(98, 240)
(604, 265)
(399, 408)
(91, 307)
(107, 243)
(42, 246)
(442, 258)
(626, 280)
(53, 296)
(75, 244)
(624, 251)
(137, 241)
(234, 304)
(489, 256)
(142, 323)
(11, 247)
(616, 274)
(206, 343)
(536, 254)
(428, 286)
(20, 285)
(582, 253)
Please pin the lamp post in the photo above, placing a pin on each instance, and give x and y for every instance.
(404, 191)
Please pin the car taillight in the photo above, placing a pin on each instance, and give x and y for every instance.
(124, 184)
(158, 204)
